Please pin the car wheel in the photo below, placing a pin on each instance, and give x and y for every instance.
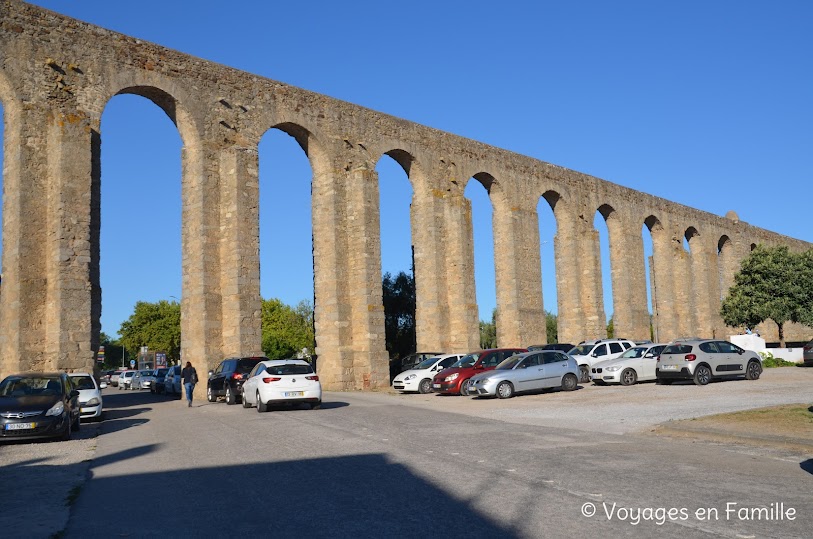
(628, 377)
(425, 386)
(210, 395)
(753, 371)
(245, 402)
(702, 375)
(464, 387)
(316, 405)
(569, 382)
(261, 406)
(505, 390)
(584, 374)
(230, 396)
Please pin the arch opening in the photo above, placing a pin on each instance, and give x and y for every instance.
(140, 208)
(545, 211)
(286, 240)
(650, 228)
(485, 281)
(397, 263)
(602, 221)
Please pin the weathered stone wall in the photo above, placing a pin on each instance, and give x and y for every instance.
(57, 75)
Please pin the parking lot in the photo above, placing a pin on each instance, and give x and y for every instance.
(399, 464)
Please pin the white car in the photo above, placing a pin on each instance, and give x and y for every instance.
(126, 379)
(420, 378)
(587, 353)
(90, 396)
(282, 381)
(635, 365)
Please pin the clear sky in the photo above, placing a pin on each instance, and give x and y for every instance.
(706, 103)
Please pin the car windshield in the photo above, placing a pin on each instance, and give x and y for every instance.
(20, 386)
(677, 349)
(509, 363)
(146, 373)
(83, 382)
(129, 374)
(161, 372)
(427, 363)
(635, 351)
(466, 361)
(289, 369)
(581, 350)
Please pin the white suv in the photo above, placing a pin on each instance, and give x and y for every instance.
(589, 352)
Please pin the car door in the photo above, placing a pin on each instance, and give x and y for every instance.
(615, 350)
(555, 363)
(250, 385)
(216, 378)
(599, 354)
(732, 358)
(649, 362)
(529, 374)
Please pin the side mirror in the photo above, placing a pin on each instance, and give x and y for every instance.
(74, 393)
(479, 366)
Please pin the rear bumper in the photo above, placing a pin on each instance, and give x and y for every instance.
(682, 374)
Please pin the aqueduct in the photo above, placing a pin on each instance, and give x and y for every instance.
(56, 76)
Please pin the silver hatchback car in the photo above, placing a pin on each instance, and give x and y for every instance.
(704, 359)
(527, 371)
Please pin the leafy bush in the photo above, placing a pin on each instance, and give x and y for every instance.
(769, 361)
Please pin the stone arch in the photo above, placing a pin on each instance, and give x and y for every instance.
(171, 106)
(660, 280)
(549, 272)
(614, 230)
(700, 307)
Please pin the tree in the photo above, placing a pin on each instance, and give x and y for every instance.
(488, 332)
(768, 287)
(398, 294)
(155, 325)
(610, 328)
(286, 330)
(551, 327)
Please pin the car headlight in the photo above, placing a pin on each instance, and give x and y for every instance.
(451, 377)
(94, 401)
(612, 369)
(56, 409)
(410, 377)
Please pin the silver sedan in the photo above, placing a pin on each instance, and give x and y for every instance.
(528, 371)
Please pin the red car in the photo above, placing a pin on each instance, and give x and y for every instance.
(455, 379)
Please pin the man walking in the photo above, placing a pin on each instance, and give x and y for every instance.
(190, 378)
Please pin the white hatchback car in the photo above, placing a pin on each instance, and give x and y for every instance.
(588, 353)
(126, 379)
(420, 378)
(635, 365)
(282, 381)
(90, 396)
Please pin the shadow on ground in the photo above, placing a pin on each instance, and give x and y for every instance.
(356, 496)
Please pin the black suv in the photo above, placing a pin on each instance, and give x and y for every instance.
(228, 377)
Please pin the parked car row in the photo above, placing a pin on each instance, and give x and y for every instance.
(505, 372)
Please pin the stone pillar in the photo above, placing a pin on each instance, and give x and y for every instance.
(25, 217)
(519, 277)
(590, 282)
(50, 240)
(464, 320)
(705, 285)
(201, 305)
(240, 252)
(429, 256)
(630, 311)
(683, 290)
(571, 328)
(661, 285)
(349, 315)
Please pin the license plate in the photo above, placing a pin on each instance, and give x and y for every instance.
(669, 368)
(294, 393)
(436, 386)
(20, 426)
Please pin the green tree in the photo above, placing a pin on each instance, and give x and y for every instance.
(286, 330)
(551, 327)
(768, 287)
(610, 328)
(398, 294)
(488, 332)
(155, 325)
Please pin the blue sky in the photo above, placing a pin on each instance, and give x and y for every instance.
(706, 103)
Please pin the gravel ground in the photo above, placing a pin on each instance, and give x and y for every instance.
(41, 479)
(50, 474)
